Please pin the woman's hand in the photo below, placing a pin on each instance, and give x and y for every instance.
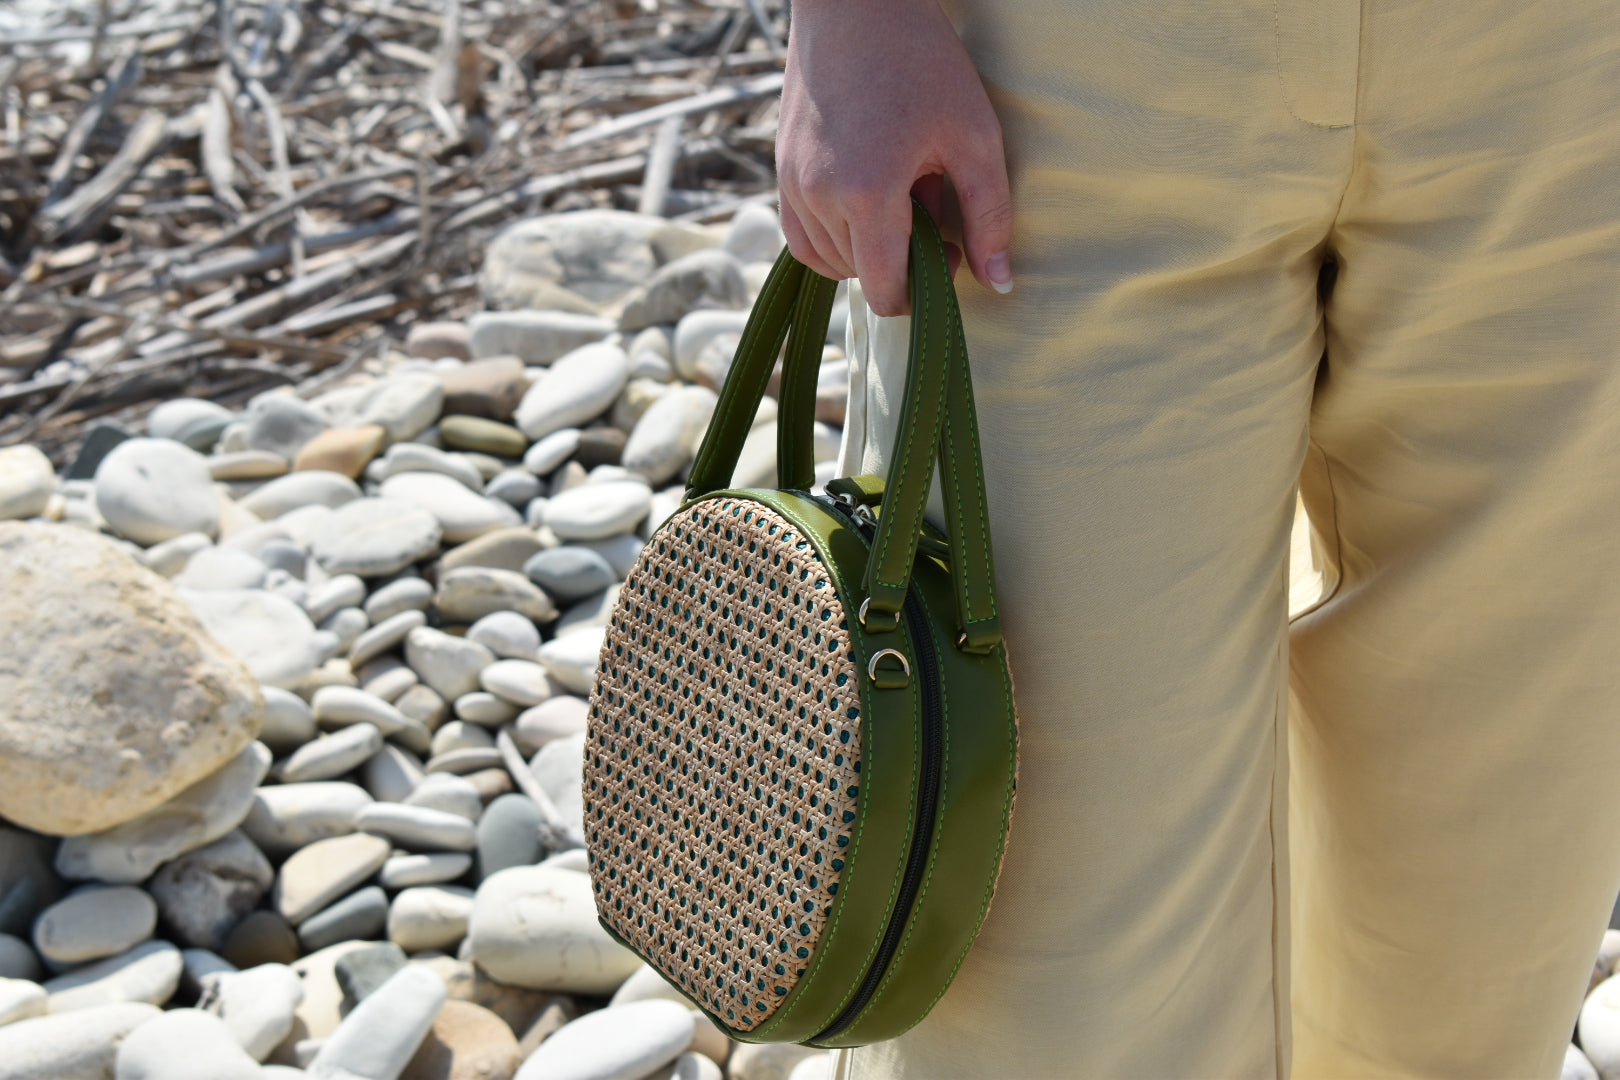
(879, 99)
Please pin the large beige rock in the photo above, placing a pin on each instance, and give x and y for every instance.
(113, 697)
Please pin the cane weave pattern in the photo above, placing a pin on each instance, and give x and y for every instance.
(722, 756)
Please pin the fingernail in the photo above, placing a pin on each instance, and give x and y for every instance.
(1000, 270)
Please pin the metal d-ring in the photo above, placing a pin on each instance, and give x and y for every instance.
(860, 616)
(871, 665)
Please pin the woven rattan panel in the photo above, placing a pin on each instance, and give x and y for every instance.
(722, 756)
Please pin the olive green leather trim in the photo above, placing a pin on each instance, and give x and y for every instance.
(975, 808)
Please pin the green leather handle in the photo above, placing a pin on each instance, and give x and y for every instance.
(936, 422)
(796, 419)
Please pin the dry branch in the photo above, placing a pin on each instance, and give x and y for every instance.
(241, 193)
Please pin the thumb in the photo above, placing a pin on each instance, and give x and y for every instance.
(985, 199)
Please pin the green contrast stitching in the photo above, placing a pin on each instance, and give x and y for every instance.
(989, 888)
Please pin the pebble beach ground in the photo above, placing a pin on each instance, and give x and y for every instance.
(378, 871)
(294, 697)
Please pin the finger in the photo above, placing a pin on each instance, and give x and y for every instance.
(880, 236)
(930, 191)
(985, 199)
(800, 244)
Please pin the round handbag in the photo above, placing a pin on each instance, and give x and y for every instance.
(801, 748)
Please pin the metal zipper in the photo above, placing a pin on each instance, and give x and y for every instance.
(933, 737)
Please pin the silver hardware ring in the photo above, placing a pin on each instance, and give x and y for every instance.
(871, 665)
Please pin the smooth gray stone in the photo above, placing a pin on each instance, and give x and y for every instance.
(184, 1044)
(596, 511)
(264, 937)
(447, 793)
(468, 593)
(559, 768)
(424, 705)
(197, 965)
(81, 1045)
(555, 718)
(286, 817)
(575, 390)
(535, 337)
(391, 774)
(346, 625)
(482, 707)
(339, 591)
(149, 972)
(703, 279)
(597, 255)
(23, 999)
(341, 706)
(360, 916)
(271, 634)
(506, 634)
(384, 636)
(199, 815)
(524, 683)
(570, 660)
(545, 456)
(331, 756)
(403, 405)
(376, 536)
(418, 828)
(222, 568)
(509, 834)
(27, 481)
(697, 330)
(98, 443)
(309, 487)
(360, 972)
(203, 894)
(450, 665)
(416, 457)
(387, 677)
(459, 735)
(285, 555)
(620, 551)
(462, 514)
(378, 1039)
(570, 572)
(150, 490)
(257, 1005)
(537, 927)
(327, 870)
(514, 487)
(426, 917)
(434, 868)
(629, 1040)
(189, 420)
(406, 594)
(755, 234)
(468, 759)
(282, 424)
(170, 557)
(94, 924)
(18, 960)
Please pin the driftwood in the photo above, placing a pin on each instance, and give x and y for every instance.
(236, 194)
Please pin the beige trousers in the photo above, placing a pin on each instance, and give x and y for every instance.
(1382, 840)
